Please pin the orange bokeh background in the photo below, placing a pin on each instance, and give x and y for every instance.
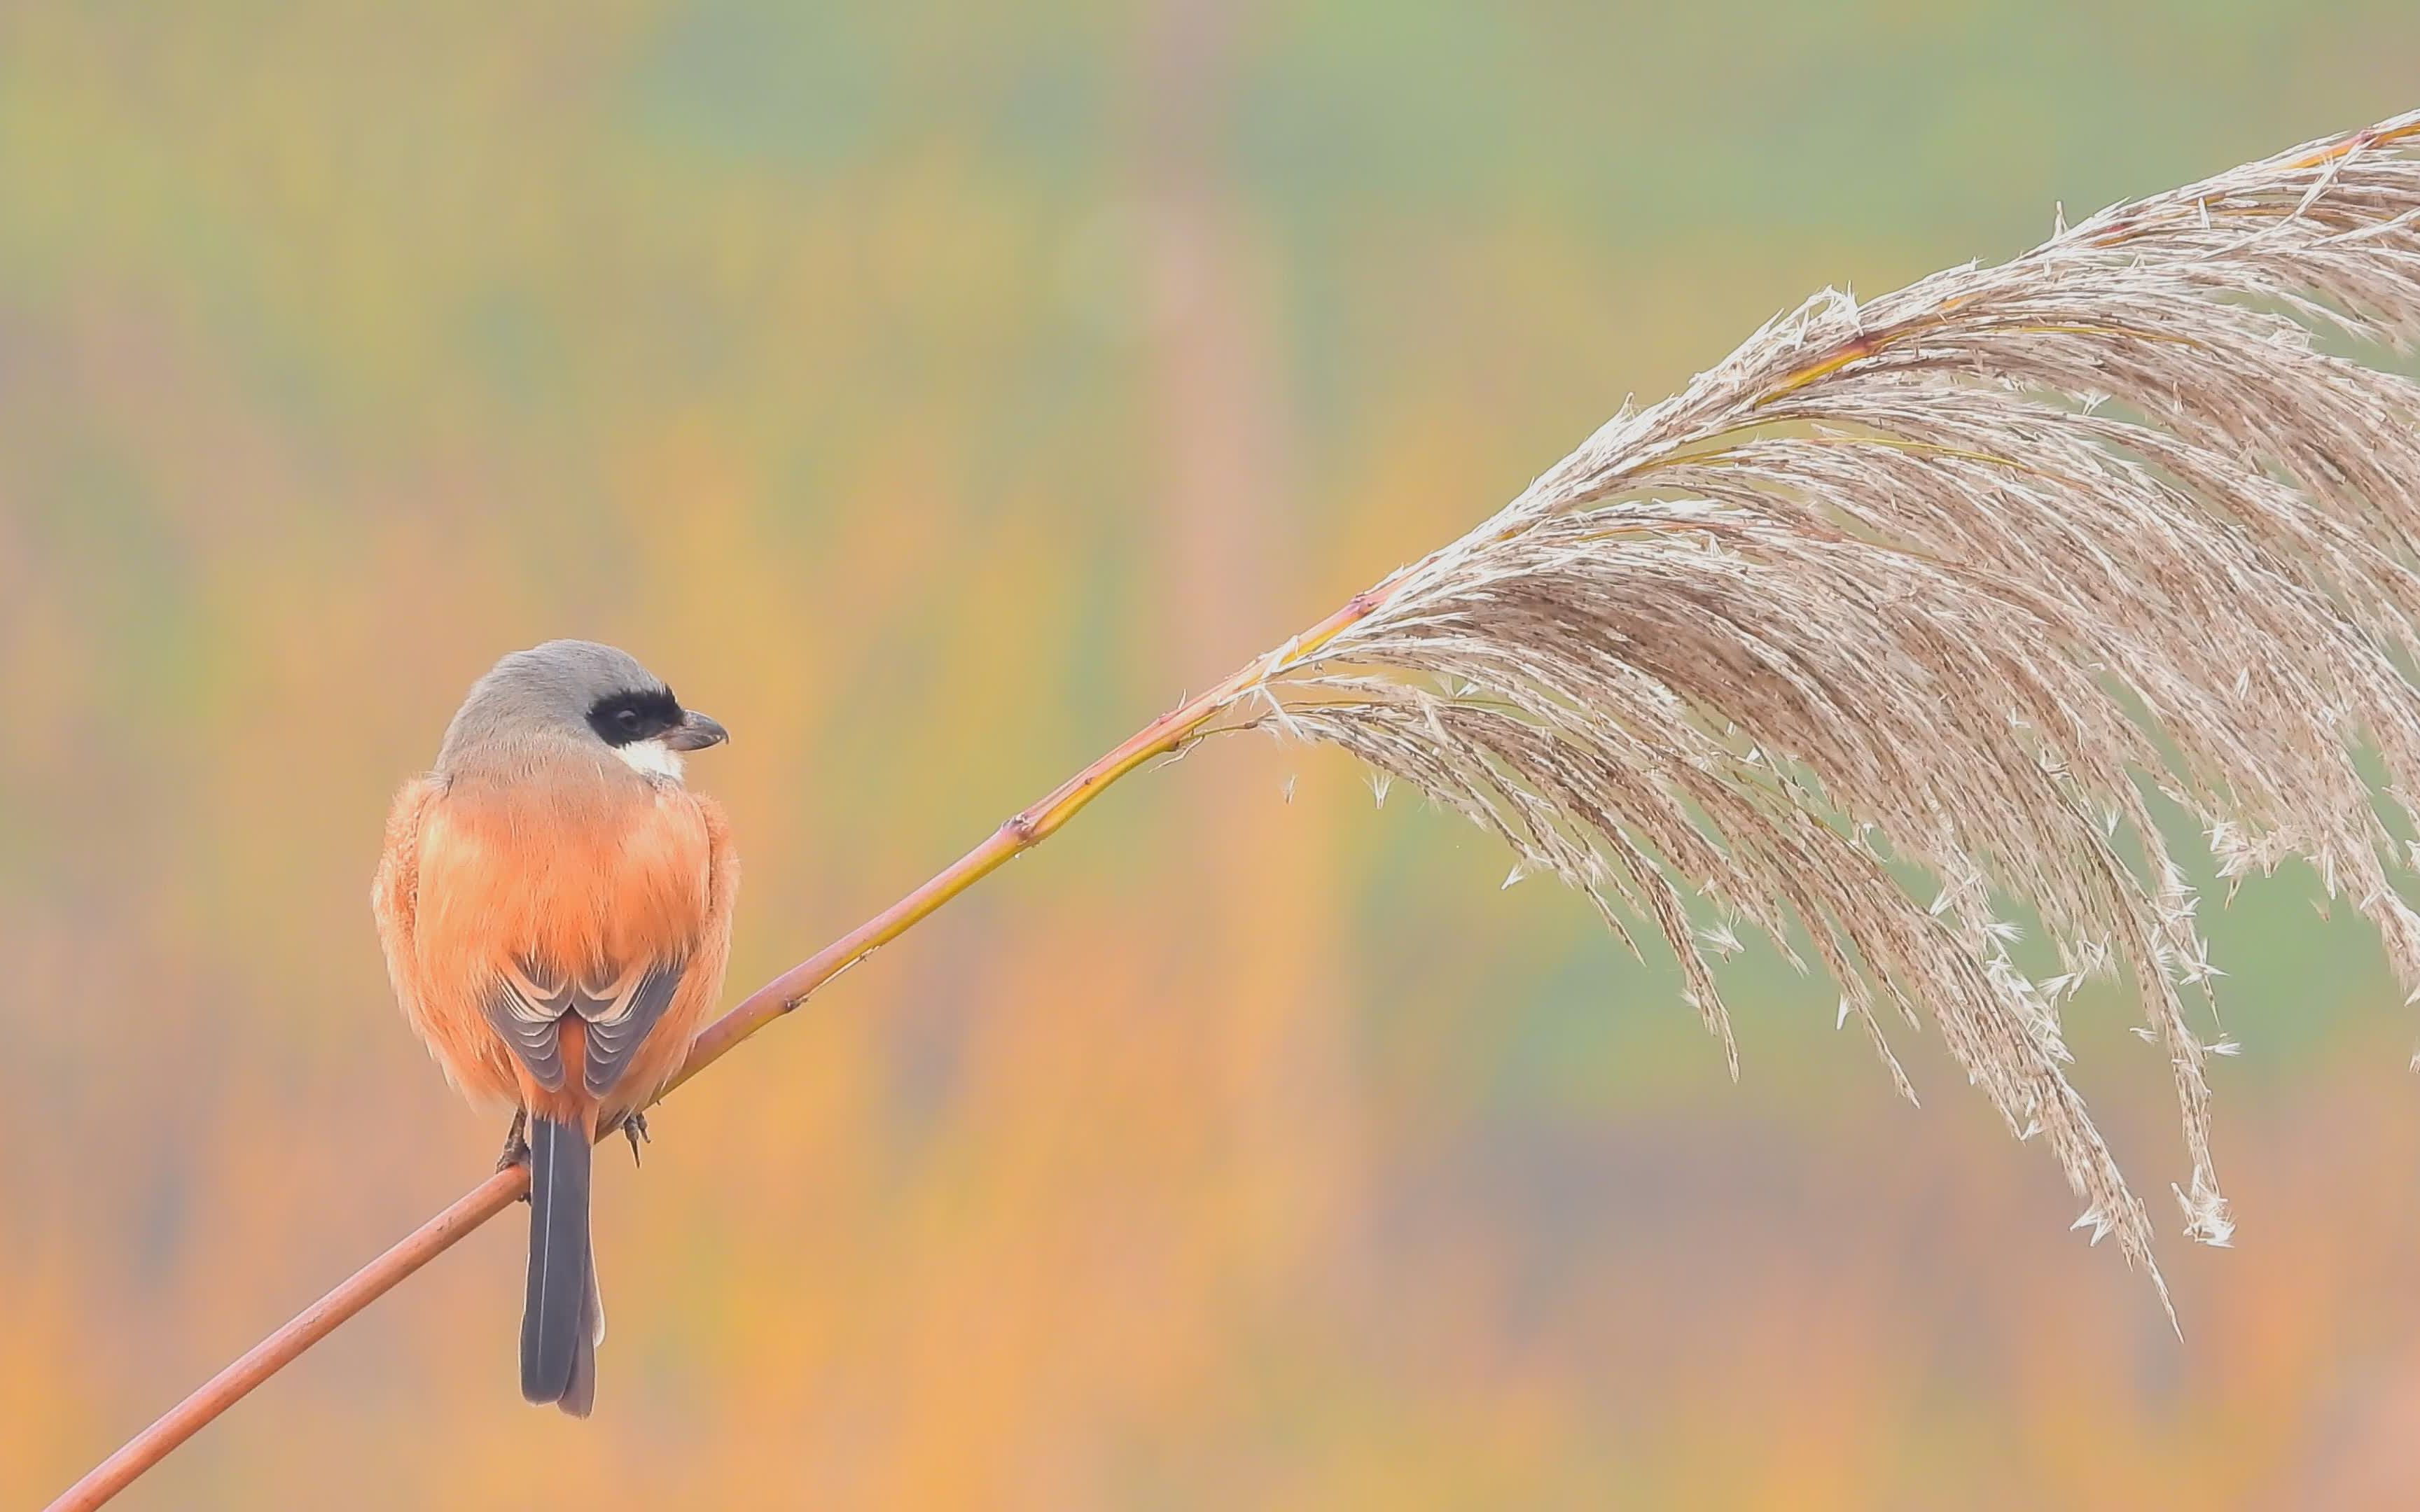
(933, 397)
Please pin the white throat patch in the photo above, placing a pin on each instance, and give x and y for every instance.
(651, 758)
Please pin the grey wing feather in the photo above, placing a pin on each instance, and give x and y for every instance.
(529, 1002)
(619, 1024)
(526, 1007)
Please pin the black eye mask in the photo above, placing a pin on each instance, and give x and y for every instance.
(620, 718)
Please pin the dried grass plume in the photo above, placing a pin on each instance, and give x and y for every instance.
(1950, 581)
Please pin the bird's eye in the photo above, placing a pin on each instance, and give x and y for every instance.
(628, 719)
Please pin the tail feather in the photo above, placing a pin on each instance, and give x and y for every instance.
(579, 1394)
(559, 1315)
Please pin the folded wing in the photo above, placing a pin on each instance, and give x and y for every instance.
(530, 1000)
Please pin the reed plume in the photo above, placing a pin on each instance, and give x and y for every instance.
(1948, 585)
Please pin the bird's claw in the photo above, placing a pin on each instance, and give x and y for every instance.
(517, 1148)
(634, 1128)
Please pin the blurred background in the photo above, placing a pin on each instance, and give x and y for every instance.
(933, 396)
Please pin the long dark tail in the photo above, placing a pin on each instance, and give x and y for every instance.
(560, 1314)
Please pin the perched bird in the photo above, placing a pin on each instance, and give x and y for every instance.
(555, 907)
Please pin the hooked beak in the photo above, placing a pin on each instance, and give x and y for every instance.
(695, 732)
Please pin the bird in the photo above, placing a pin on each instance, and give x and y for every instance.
(555, 906)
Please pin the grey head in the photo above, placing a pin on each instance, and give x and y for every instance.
(574, 693)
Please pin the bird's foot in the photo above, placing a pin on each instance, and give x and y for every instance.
(634, 1127)
(517, 1149)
